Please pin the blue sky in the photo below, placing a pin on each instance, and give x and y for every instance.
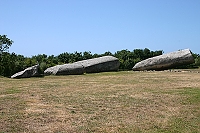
(55, 26)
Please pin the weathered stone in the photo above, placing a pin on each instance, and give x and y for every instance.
(70, 69)
(166, 61)
(101, 64)
(52, 70)
(65, 69)
(27, 73)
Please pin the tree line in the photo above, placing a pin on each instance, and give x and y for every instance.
(11, 63)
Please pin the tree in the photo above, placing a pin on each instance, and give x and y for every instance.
(87, 55)
(5, 43)
(126, 59)
(6, 60)
(197, 59)
(147, 53)
(107, 53)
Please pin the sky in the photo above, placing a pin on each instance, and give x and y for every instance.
(53, 27)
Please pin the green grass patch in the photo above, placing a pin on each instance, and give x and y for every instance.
(192, 94)
(12, 91)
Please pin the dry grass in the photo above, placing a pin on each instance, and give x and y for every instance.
(102, 102)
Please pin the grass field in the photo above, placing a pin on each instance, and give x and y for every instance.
(124, 102)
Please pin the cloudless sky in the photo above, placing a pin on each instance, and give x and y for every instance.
(55, 26)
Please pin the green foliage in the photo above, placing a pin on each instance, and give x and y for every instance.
(128, 59)
(10, 63)
(197, 60)
(5, 43)
(43, 67)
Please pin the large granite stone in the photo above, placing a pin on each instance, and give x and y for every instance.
(70, 69)
(65, 69)
(27, 73)
(101, 64)
(52, 70)
(166, 61)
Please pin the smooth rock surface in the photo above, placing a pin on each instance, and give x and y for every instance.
(27, 73)
(166, 61)
(52, 70)
(70, 69)
(101, 64)
(65, 69)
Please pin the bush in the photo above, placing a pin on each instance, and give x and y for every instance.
(197, 61)
(42, 68)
